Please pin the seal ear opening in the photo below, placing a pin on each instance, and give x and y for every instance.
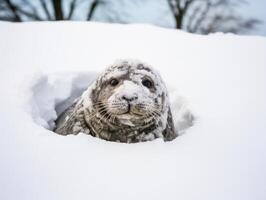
(169, 133)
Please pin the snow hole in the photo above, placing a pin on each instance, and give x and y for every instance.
(53, 93)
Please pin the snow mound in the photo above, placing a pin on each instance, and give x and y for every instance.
(51, 94)
(223, 77)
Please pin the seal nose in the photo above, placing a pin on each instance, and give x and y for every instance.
(129, 99)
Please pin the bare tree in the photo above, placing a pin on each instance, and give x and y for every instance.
(207, 16)
(38, 10)
(93, 6)
(196, 16)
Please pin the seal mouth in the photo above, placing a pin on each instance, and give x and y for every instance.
(128, 108)
(130, 111)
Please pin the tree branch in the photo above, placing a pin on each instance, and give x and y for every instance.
(238, 24)
(178, 11)
(28, 14)
(187, 5)
(34, 14)
(172, 6)
(93, 6)
(13, 8)
(72, 8)
(45, 8)
(202, 17)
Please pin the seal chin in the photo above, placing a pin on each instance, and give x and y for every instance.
(130, 119)
(129, 115)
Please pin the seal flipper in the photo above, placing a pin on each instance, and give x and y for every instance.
(169, 132)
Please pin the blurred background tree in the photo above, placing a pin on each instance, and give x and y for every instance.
(208, 16)
(195, 16)
(44, 10)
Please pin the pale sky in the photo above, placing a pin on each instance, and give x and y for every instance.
(256, 8)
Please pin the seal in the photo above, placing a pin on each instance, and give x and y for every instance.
(128, 103)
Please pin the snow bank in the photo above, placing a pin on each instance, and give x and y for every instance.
(51, 94)
(223, 77)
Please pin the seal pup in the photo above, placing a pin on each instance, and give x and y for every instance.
(127, 103)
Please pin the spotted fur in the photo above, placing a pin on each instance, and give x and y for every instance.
(126, 112)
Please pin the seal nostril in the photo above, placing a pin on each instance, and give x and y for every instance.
(124, 98)
(135, 98)
(129, 98)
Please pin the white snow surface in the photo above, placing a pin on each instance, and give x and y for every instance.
(45, 66)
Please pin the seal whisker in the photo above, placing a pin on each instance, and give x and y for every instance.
(104, 116)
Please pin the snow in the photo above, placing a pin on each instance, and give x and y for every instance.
(222, 76)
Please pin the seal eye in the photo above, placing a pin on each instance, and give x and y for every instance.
(147, 83)
(114, 82)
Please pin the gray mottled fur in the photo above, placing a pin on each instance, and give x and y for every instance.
(78, 117)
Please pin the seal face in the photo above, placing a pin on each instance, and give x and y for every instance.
(127, 103)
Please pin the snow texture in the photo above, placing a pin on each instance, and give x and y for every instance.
(223, 156)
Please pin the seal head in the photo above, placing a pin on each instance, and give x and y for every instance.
(127, 103)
